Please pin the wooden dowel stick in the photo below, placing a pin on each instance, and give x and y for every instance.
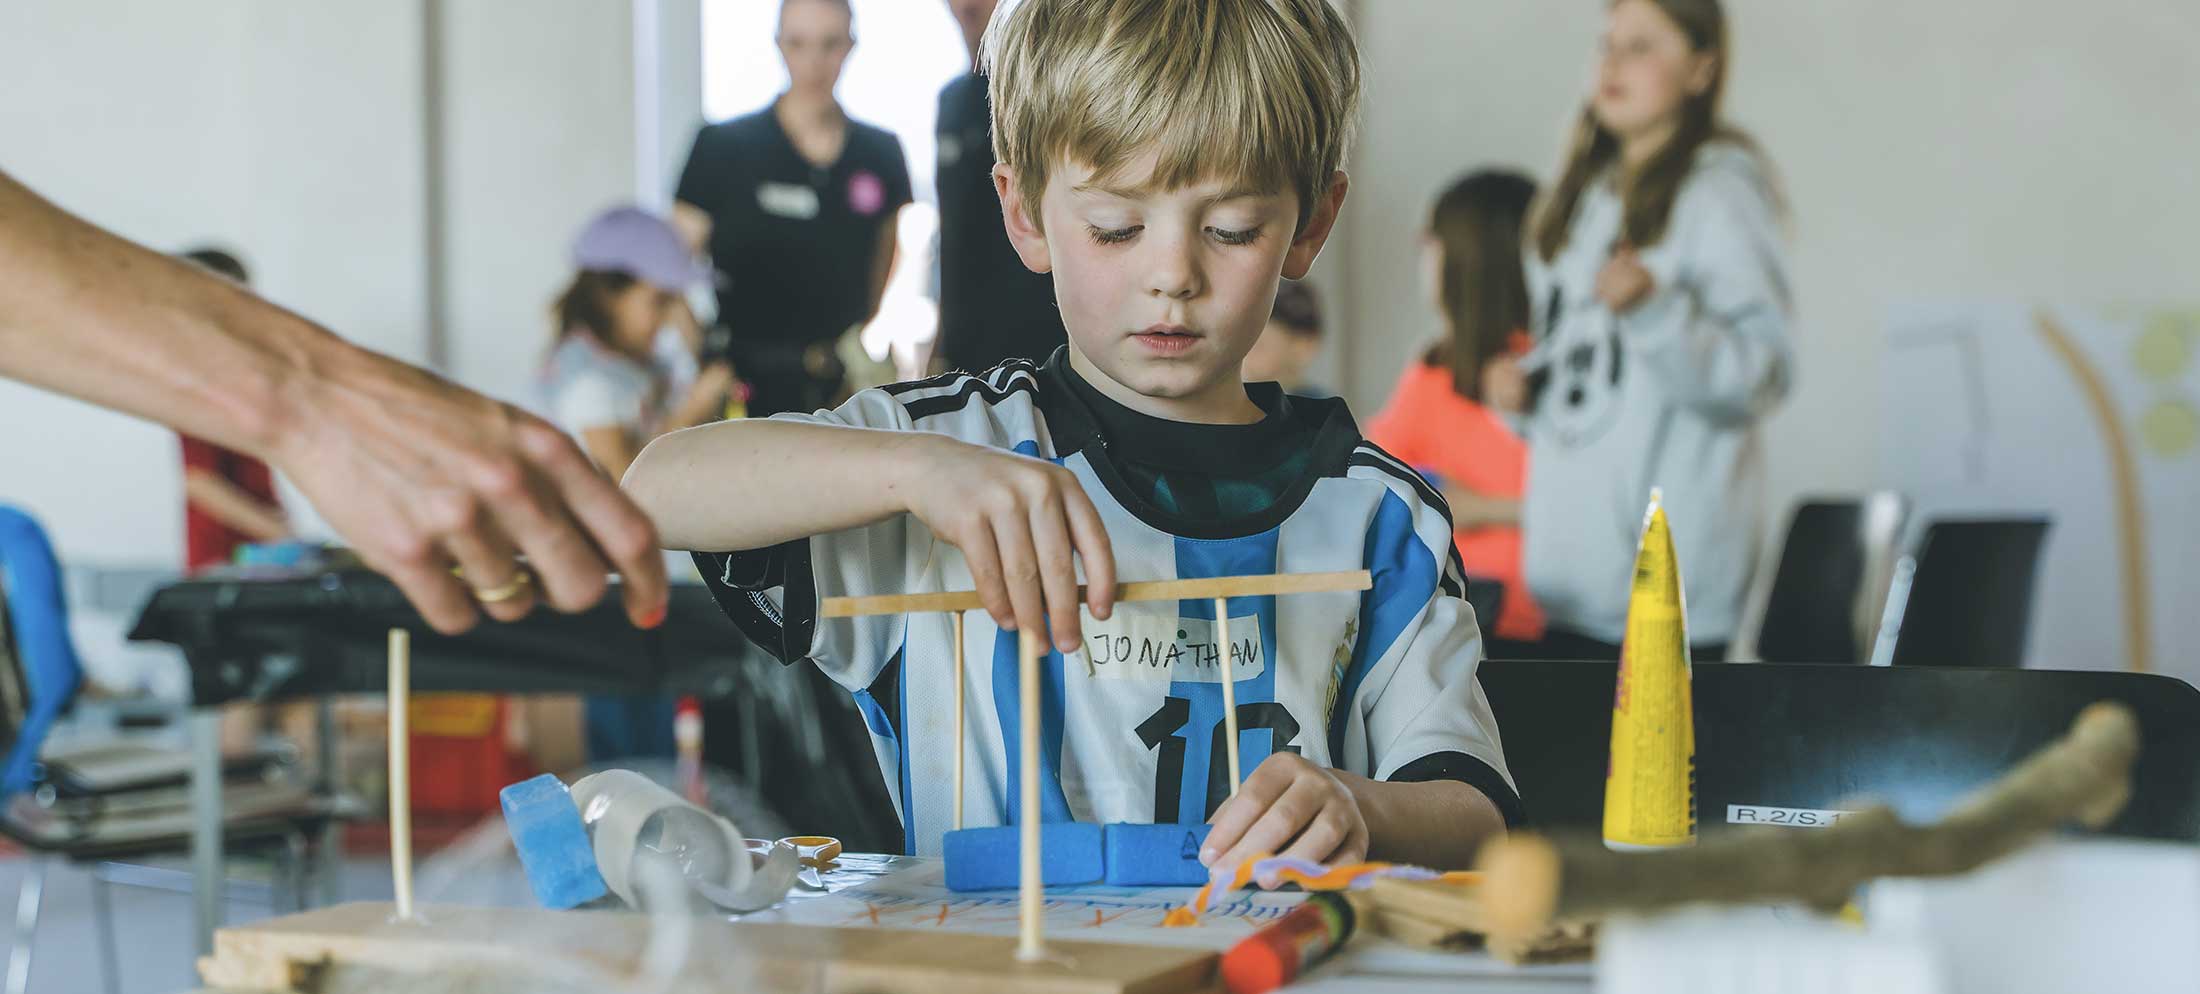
(1229, 690)
(1031, 895)
(1268, 585)
(958, 720)
(400, 698)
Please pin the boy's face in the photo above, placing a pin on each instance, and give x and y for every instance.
(1164, 291)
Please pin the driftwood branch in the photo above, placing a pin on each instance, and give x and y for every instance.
(2085, 777)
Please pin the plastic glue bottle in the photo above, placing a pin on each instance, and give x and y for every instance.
(1650, 782)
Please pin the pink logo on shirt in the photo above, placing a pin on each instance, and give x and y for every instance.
(866, 193)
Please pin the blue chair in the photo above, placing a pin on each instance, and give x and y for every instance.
(40, 675)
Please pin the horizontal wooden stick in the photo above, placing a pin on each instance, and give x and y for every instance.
(1206, 588)
(2084, 777)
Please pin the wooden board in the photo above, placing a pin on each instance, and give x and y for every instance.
(1207, 588)
(598, 949)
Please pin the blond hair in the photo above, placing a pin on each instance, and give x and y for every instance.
(1262, 92)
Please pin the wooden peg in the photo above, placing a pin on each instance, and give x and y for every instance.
(959, 740)
(400, 698)
(1229, 691)
(1260, 585)
(1031, 892)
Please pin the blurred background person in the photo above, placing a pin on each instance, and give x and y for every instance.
(798, 205)
(1453, 414)
(1662, 336)
(229, 497)
(991, 307)
(1292, 340)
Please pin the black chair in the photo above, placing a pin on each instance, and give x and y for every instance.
(1487, 597)
(1820, 737)
(1965, 598)
(1824, 594)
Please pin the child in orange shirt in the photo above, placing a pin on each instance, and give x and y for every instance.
(1448, 416)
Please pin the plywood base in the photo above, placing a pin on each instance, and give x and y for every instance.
(499, 947)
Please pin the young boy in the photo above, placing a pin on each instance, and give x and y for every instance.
(1167, 163)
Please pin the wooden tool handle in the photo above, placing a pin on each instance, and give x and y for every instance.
(1207, 588)
(2084, 777)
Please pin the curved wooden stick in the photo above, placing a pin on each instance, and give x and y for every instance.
(1533, 881)
(1264, 585)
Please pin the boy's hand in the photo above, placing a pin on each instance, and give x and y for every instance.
(1022, 524)
(1288, 799)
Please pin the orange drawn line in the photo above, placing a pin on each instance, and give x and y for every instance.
(872, 910)
(943, 914)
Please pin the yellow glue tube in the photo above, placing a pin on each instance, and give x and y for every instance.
(1650, 782)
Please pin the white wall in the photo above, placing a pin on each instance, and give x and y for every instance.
(295, 133)
(539, 119)
(2035, 150)
(285, 130)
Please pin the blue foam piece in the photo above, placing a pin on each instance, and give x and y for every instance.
(1155, 855)
(991, 858)
(553, 844)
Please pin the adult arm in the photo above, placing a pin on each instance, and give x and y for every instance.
(415, 472)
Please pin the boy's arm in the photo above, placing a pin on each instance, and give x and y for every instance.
(1021, 523)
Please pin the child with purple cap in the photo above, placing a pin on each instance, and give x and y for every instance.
(608, 381)
(613, 381)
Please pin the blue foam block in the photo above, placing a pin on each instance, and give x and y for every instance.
(552, 843)
(1155, 855)
(990, 858)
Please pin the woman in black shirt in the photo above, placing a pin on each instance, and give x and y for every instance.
(800, 204)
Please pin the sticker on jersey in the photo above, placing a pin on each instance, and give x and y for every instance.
(789, 200)
(866, 193)
(1147, 645)
(1757, 814)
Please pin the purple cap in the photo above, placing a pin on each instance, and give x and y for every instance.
(640, 244)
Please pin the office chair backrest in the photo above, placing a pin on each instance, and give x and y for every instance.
(1969, 601)
(1822, 598)
(44, 656)
(1806, 737)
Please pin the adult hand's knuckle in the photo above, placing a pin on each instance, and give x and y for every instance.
(501, 479)
(449, 511)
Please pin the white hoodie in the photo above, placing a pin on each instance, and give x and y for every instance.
(1667, 395)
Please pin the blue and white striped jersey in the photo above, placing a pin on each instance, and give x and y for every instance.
(1379, 683)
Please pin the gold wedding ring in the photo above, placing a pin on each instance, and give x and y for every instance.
(517, 585)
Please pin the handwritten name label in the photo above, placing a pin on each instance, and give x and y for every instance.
(1164, 649)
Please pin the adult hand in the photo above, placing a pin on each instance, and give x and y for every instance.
(419, 474)
(1622, 283)
(1018, 521)
(415, 472)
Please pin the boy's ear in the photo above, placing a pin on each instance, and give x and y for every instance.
(1022, 221)
(1319, 223)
